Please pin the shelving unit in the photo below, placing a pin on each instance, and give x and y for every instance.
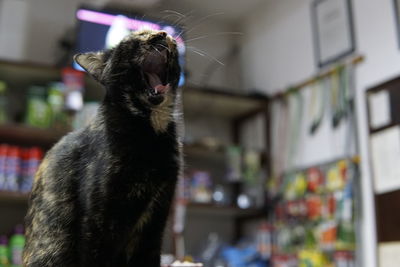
(14, 198)
(229, 211)
(207, 104)
(20, 134)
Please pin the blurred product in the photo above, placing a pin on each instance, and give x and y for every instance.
(183, 189)
(312, 258)
(315, 221)
(211, 250)
(12, 169)
(167, 259)
(344, 259)
(314, 207)
(315, 180)
(185, 264)
(201, 187)
(179, 227)
(74, 83)
(264, 241)
(244, 201)
(3, 102)
(251, 166)
(234, 163)
(38, 111)
(18, 167)
(55, 101)
(4, 253)
(3, 157)
(17, 243)
(327, 235)
(31, 161)
(220, 196)
(243, 256)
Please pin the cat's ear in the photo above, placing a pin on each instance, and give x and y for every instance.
(92, 62)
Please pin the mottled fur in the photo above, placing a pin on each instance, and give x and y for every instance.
(102, 195)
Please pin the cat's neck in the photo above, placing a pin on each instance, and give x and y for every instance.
(118, 120)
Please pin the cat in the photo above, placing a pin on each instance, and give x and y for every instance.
(102, 195)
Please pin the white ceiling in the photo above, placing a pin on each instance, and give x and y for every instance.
(227, 10)
(222, 9)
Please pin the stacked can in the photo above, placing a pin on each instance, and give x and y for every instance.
(31, 161)
(18, 167)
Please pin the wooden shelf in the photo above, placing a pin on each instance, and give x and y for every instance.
(13, 198)
(23, 135)
(196, 100)
(222, 104)
(193, 208)
(219, 210)
(204, 152)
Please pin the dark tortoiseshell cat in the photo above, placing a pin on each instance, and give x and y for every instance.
(102, 194)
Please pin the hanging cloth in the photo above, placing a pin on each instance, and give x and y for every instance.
(295, 121)
(317, 104)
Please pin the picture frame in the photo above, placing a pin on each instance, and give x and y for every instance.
(333, 30)
(396, 8)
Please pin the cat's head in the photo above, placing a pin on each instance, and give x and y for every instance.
(141, 72)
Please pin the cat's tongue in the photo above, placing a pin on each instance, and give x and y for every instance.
(156, 83)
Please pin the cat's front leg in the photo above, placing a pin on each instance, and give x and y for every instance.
(147, 249)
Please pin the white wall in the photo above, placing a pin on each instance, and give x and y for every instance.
(278, 52)
(277, 49)
(207, 54)
(48, 21)
(12, 28)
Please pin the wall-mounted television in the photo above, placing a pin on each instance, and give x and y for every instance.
(99, 29)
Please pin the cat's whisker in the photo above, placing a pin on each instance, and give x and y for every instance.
(204, 54)
(173, 12)
(202, 20)
(158, 51)
(212, 35)
(168, 16)
(183, 19)
(167, 48)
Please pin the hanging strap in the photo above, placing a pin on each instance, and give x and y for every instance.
(296, 118)
(317, 105)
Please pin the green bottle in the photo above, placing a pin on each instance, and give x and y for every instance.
(17, 243)
(4, 261)
(3, 102)
(38, 111)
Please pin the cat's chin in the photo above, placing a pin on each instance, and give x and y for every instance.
(156, 100)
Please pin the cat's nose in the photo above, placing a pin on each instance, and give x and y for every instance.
(162, 34)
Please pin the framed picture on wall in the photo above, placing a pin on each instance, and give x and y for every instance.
(397, 16)
(333, 30)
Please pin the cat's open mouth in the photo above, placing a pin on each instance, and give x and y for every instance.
(155, 74)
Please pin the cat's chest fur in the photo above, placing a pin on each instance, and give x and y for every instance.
(131, 166)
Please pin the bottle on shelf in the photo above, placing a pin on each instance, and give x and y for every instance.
(31, 160)
(3, 157)
(17, 243)
(3, 102)
(4, 261)
(38, 111)
(12, 169)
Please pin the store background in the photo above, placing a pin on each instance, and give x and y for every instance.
(276, 51)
